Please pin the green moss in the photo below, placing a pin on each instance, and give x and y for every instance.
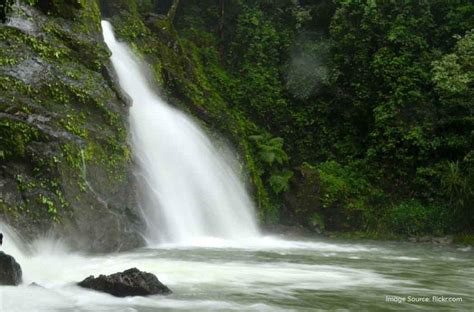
(50, 206)
(15, 136)
(12, 211)
(63, 119)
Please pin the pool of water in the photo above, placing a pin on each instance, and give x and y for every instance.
(265, 274)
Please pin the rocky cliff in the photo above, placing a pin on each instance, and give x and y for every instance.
(64, 159)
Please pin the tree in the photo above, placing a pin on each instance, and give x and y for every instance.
(172, 11)
(453, 75)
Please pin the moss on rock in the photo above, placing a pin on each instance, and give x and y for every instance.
(63, 146)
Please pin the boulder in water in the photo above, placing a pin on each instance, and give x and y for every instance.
(10, 270)
(131, 282)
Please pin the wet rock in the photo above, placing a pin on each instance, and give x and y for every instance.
(424, 239)
(24, 18)
(25, 25)
(29, 71)
(445, 240)
(10, 270)
(64, 120)
(131, 282)
(303, 199)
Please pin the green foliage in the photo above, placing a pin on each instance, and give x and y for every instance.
(316, 221)
(453, 76)
(414, 218)
(398, 104)
(376, 95)
(255, 56)
(448, 75)
(457, 182)
(408, 218)
(270, 149)
(14, 137)
(279, 181)
(464, 239)
(344, 195)
(273, 160)
(49, 204)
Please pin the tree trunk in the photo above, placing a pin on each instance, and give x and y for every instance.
(172, 11)
(221, 30)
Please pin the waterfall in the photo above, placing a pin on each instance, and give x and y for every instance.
(190, 189)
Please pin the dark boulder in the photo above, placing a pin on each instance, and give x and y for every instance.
(10, 270)
(131, 282)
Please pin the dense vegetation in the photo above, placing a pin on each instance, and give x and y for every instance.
(372, 99)
(349, 115)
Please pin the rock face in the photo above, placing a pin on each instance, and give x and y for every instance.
(10, 270)
(304, 199)
(65, 163)
(131, 282)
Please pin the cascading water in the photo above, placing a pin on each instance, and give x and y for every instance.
(191, 190)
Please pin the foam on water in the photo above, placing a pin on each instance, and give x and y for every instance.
(261, 243)
(257, 278)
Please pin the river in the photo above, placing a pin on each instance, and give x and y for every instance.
(268, 274)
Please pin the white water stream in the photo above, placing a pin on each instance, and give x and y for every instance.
(192, 190)
(268, 274)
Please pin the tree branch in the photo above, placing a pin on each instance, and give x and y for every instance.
(172, 11)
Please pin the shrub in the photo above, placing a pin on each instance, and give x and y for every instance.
(343, 194)
(413, 218)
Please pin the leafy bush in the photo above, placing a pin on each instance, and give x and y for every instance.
(316, 221)
(457, 181)
(344, 194)
(270, 149)
(279, 181)
(414, 218)
(273, 161)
